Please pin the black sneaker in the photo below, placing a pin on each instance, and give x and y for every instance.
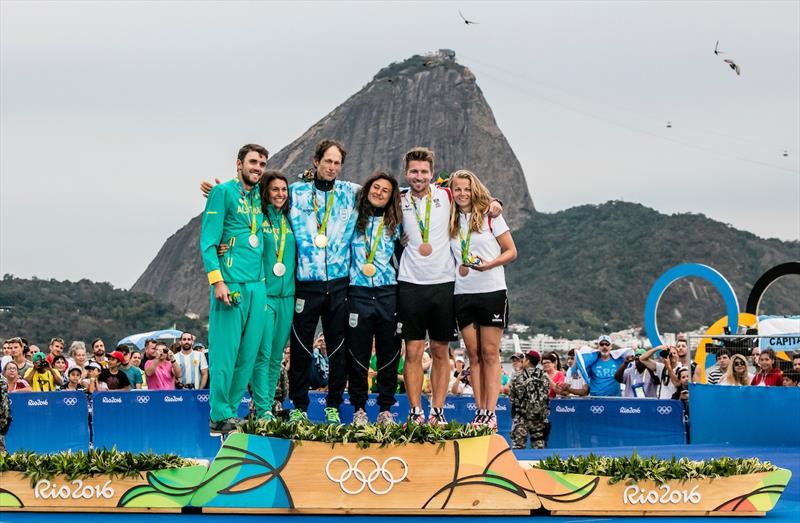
(217, 428)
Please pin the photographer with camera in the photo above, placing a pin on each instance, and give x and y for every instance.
(162, 372)
(665, 370)
(41, 377)
(639, 381)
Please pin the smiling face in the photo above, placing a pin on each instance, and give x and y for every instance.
(380, 192)
(462, 193)
(764, 361)
(136, 359)
(418, 177)
(251, 169)
(329, 166)
(278, 192)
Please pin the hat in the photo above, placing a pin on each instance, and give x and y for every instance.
(75, 367)
(534, 356)
(639, 352)
(517, 356)
(93, 365)
(460, 358)
(198, 345)
(604, 337)
(117, 355)
(39, 356)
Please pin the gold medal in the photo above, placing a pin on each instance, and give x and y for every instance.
(321, 241)
(253, 240)
(369, 270)
(425, 249)
(279, 269)
(463, 271)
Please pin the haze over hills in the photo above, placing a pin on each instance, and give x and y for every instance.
(579, 271)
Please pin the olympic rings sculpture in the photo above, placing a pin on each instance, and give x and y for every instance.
(366, 479)
(722, 285)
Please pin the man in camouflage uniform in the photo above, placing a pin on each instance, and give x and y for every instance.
(529, 403)
(5, 413)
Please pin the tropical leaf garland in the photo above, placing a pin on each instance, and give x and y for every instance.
(74, 465)
(366, 435)
(636, 468)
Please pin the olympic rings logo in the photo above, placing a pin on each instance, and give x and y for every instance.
(142, 399)
(372, 402)
(664, 410)
(597, 409)
(202, 398)
(471, 406)
(366, 479)
(70, 402)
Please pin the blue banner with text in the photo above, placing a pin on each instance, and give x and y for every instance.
(612, 422)
(48, 421)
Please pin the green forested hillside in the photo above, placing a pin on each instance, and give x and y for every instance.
(41, 309)
(593, 265)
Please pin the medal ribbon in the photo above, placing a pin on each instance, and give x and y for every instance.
(247, 199)
(465, 243)
(424, 227)
(372, 249)
(282, 241)
(322, 228)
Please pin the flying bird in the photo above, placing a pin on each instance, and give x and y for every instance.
(465, 19)
(716, 49)
(733, 65)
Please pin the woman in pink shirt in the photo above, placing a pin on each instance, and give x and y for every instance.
(550, 364)
(162, 371)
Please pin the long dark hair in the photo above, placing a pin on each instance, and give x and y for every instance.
(391, 214)
(268, 177)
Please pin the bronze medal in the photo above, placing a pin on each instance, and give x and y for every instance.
(425, 249)
(462, 270)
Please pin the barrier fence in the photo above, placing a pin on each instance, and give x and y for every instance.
(757, 416)
(177, 421)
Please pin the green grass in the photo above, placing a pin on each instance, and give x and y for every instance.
(636, 468)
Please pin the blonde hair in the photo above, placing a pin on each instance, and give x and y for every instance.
(481, 198)
(730, 376)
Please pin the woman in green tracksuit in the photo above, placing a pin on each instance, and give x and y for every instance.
(280, 261)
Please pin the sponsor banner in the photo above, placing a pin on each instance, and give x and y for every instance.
(611, 422)
(39, 416)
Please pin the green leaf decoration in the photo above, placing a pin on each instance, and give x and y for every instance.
(636, 468)
(9, 499)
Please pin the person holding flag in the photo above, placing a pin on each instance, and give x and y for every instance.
(236, 317)
(598, 366)
(481, 247)
(371, 300)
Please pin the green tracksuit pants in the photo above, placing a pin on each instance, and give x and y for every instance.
(278, 323)
(234, 339)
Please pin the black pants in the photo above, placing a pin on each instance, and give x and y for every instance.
(327, 299)
(372, 312)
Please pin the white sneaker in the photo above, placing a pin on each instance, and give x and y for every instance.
(360, 418)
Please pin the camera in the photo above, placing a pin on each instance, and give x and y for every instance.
(664, 353)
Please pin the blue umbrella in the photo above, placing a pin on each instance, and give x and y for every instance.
(138, 339)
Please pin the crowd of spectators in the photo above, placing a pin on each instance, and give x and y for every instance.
(662, 372)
